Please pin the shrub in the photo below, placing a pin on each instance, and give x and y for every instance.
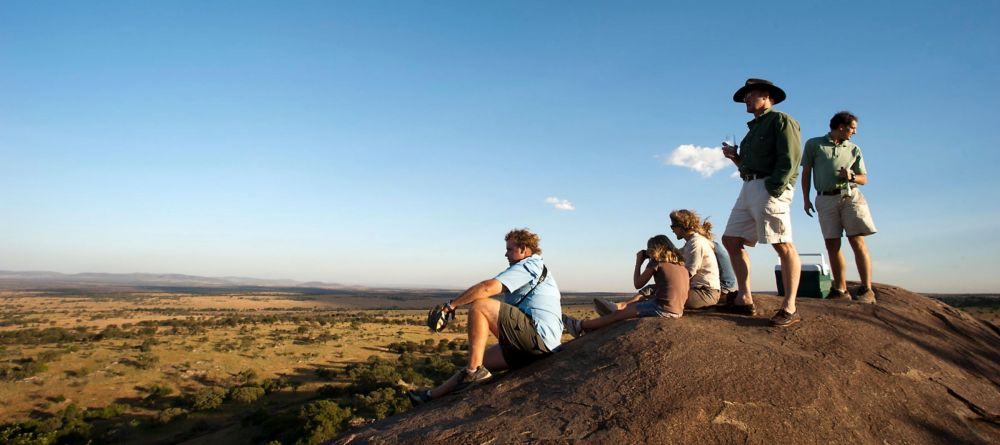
(322, 420)
(145, 360)
(168, 415)
(108, 412)
(205, 398)
(246, 377)
(157, 392)
(380, 403)
(246, 394)
(275, 384)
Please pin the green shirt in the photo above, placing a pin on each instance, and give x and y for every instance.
(825, 157)
(771, 147)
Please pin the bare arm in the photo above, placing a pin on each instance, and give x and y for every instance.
(806, 182)
(639, 279)
(479, 291)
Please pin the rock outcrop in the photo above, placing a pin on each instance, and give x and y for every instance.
(909, 370)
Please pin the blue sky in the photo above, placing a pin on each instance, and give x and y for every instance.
(394, 143)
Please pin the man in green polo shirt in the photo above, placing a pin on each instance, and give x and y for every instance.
(768, 159)
(837, 168)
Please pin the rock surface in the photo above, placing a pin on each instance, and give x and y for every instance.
(909, 370)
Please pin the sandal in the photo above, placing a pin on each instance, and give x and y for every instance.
(782, 318)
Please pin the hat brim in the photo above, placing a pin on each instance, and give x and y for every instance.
(777, 94)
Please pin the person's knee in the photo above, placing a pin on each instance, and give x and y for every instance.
(732, 243)
(832, 245)
(786, 250)
(857, 243)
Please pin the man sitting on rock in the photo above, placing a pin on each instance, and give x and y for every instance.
(527, 323)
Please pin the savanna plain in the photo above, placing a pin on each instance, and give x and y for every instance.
(229, 366)
(219, 366)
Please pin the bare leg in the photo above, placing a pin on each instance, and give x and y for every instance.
(483, 316)
(635, 299)
(837, 263)
(791, 270)
(624, 314)
(492, 359)
(862, 258)
(741, 267)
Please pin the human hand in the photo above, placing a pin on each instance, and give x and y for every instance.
(729, 151)
(809, 208)
(842, 173)
(641, 256)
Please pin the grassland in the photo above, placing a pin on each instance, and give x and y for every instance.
(221, 367)
(140, 360)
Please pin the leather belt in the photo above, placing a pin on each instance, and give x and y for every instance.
(833, 192)
(752, 176)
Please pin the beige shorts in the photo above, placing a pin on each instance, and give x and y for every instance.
(699, 297)
(840, 214)
(758, 217)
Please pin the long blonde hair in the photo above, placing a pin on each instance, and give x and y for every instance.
(690, 222)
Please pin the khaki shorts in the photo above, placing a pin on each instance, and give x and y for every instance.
(840, 214)
(699, 297)
(759, 217)
(520, 343)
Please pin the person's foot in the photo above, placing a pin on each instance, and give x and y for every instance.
(472, 377)
(783, 318)
(837, 294)
(604, 307)
(866, 295)
(419, 396)
(573, 326)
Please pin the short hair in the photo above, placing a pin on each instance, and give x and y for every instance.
(842, 118)
(524, 239)
(689, 221)
(660, 249)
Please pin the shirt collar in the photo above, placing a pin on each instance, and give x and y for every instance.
(751, 123)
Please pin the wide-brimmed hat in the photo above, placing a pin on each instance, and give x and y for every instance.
(777, 94)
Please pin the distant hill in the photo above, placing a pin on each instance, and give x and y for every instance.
(909, 370)
(36, 279)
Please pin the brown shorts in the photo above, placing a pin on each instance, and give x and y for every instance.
(699, 297)
(519, 341)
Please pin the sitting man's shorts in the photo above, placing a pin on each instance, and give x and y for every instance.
(650, 308)
(840, 214)
(700, 297)
(759, 217)
(519, 341)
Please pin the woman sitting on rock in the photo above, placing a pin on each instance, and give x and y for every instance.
(665, 266)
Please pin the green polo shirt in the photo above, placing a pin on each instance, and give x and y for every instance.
(771, 147)
(825, 157)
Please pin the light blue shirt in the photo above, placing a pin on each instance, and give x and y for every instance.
(543, 305)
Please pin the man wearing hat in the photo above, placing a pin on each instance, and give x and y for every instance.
(837, 169)
(768, 160)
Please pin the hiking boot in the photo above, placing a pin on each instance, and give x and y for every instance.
(782, 318)
(604, 307)
(472, 378)
(837, 294)
(866, 295)
(573, 326)
(419, 396)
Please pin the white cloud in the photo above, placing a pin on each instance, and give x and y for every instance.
(560, 204)
(704, 160)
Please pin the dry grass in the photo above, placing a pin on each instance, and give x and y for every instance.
(95, 374)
